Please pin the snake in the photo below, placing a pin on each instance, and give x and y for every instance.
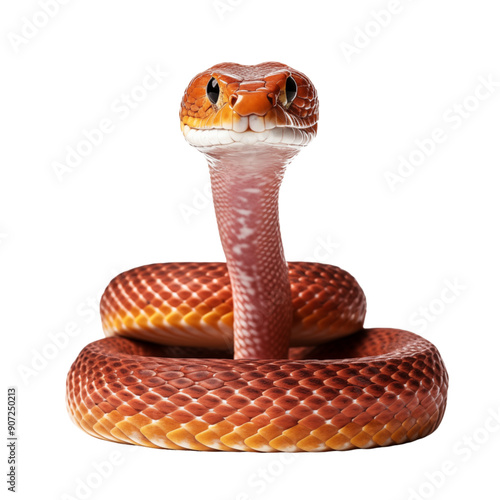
(255, 353)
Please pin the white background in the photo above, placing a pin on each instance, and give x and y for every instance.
(62, 239)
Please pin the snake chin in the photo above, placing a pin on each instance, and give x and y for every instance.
(279, 136)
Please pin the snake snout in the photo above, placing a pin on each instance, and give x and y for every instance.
(247, 103)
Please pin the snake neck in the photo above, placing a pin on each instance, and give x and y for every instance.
(245, 186)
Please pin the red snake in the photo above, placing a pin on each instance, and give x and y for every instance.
(257, 354)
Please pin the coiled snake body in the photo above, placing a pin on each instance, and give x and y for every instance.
(257, 354)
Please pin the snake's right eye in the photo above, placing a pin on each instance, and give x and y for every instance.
(213, 90)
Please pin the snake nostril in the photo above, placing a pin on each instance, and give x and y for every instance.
(232, 100)
(272, 98)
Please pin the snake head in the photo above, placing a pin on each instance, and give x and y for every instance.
(232, 104)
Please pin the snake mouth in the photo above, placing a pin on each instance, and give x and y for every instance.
(279, 136)
(226, 127)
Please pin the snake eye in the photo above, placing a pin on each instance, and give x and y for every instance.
(213, 90)
(290, 89)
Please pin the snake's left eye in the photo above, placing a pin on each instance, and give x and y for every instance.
(213, 90)
(290, 89)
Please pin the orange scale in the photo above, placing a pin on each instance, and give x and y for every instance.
(212, 301)
(197, 92)
(352, 411)
(184, 294)
(223, 392)
(328, 412)
(251, 411)
(195, 391)
(174, 302)
(174, 318)
(204, 295)
(137, 405)
(149, 310)
(212, 318)
(212, 418)
(157, 303)
(151, 398)
(365, 400)
(402, 415)
(287, 402)
(153, 413)
(287, 383)
(388, 398)
(202, 308)
(181, 416)
(315, 402)
(114, 401)
(165, 407)
(180, 399)
(338, 420)
(193, 301)
(129, 322)
(157, 320)
(327, 392)
(199, 375)
(237, 385)
(385, 417)
(419, 412)
(196, 409)
(211, 383)
(226, 295)
(122, 313)
(312, 421)
(261, 420)
(224, 410)
(238, 401)
(164, 308)
(184, 309)
(123, 409)
(264, 402)
(193, 319)
(341, 402)
(285, 421)
(375, 390)
(274, 393)
(251, 393)
(238, 419)
(138, 389)
(96, 397)
(301, 411)
(274, 412)
(104, 392)
(223, 308)
(400, 436)
(204, 280)
(409, 423)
